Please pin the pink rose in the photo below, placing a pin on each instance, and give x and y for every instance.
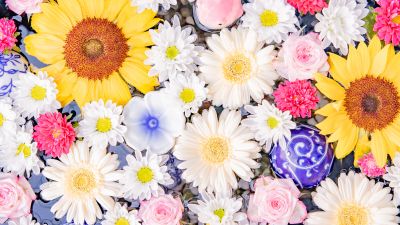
(16, 196)
(301, 57)
(276, 202)
(217, 14)
(162, 210)
(21, 6)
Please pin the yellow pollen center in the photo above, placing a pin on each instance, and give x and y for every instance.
(83, 181)
(353, 215)
(56, 133)
(23, 148)
(172, 52)
(272, 122)
(220, 213)
(38, 93)
(93, 48)
(2, 119)
(269, 18)
(122, 221)
(396, 19)
(187, 95)
(104, 125)
(237, 68)
(215, 150)
(145, 175)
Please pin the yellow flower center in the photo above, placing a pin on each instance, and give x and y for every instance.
(23, 148)
(104, 125)
(93, 48)
(272, 122)
(353, 215)
(215, 150)
(2, 119)
(83, 181)
(38, 93)
(145, 175)
(220, 213)
(56, 132)
(237, 68)
(172, 52)
(396, 19)
(269, 18)
(122, 221)
(187, 95)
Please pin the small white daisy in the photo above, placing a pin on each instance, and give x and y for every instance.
(273, 19)
(25, 220)
(35, 94)
(153, 4)
(393, 176)
(341, 23)
(269, 124)
(173, 52)
(143, 174)
(190, 91)
(8, 118)
(102, 124)
(218, 210)
(119, 215)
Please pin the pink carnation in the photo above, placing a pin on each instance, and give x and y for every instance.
(53, 134)
(387, 23)
(7, 31)
(368, 166)
(299, 97)
(308, 6)
(162, 210)
(21, 6)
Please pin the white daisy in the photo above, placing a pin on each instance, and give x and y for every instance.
(143, 175)
(237, 68)
(102, 124)
(189, 91)
(119, 215)
(8, 118)
(35, 94)
(25, 220)
(153, 4)
(355, 200)
(173, 52)
(82, 178)
(341, 23)
(218, 210)
(269, 124)
(214, 151)
(393, 176)
(272, 19)
(18, 154)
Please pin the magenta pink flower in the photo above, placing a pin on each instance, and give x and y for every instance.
(53, 134)
(7, 31)
(368, 166)
(308, 6)
(299, 97)
(387, 23)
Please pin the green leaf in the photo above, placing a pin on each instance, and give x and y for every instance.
(370, 20)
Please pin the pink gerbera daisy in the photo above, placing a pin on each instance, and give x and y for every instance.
(7, 34)
(299, 97)
(387, 23)
(53, 134)
(308, 6)
(368, 166)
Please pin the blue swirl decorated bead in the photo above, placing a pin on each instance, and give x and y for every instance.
(307, 159)
(12, 65)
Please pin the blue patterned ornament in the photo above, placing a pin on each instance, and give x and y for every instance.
(307, 159)
(12, 65)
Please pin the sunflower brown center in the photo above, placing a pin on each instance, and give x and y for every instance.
(372, 103)
(95, 48)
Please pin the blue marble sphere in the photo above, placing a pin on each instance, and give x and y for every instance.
(307, 159)
(12, 65)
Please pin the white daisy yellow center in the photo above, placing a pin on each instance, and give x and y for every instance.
(269, 18)
(82, 181)
(220, 213)
(396, 19)
(237, 68)
(2, 119)
(187, 95)
(215, 150)
(103, 125)
(272, 122)
(352, 215)
(172, 52)
(122, 221)
(24, 149)
(145, 174)
(38, 93)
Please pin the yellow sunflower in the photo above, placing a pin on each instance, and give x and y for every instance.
(93, 48)
(365, 112)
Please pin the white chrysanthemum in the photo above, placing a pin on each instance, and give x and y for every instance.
(189, 91)
(153, 4)
(341, 23)
(218, 210)
(213, 151)
(119, 215)
(102, 124)
(19, 155)
(173, 51)
(269, 124)
(82, 178)
(143, 175)
(355, 200)
(8, 118)
(272, 19)
(25, 220)
(237, 68)
(35, 94)
(393, 176)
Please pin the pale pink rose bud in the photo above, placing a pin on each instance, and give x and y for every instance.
(27, 6)
(217, 14)
(162, 210)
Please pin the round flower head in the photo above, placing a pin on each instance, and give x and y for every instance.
(119, 215)
(308, 6)
(164, 210)
(237, 68)
(101, 124)
(153, 4)
(341, 23)
(21, 6)
(368, 166)
(8, 118)
(24, 220)
(153, 122)
(272, 19)
(387, 23)
(174, 51)
(298, 97)
(393, 176)
(216, 15)
(143, 175)
(35, 94)
(54, 134)
(7, 34)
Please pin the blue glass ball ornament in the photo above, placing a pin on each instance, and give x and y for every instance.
(12, 65)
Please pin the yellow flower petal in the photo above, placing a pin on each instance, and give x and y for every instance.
(129, 17)
(79, 91)
(330, 108)
(347, 141)
(354, 62)
(330, 124)
(138, 77)
(379, 148)
(113, 8)
(365, 58)
(393, 132)
(38, 45)
(373, 48)
(116, 89)
(92, 8)
(140, 40)
(392, 70)
(138, 53)
(55, 69)
(72, 9)
(329, 87)
(363, 147)
(381, 60)
(132, 27)
(338, 70)
(65, 83)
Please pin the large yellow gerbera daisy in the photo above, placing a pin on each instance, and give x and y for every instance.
(366, 105)
(93, 47)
